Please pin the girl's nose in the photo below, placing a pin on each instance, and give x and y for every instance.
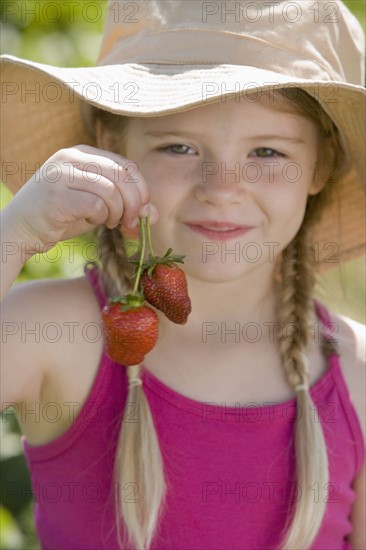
(221, 184)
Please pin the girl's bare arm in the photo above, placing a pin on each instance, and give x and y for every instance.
(351, 341)
(39, 216)
(358, 515)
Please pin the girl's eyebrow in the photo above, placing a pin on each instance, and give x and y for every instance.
(279, 138)
(163, 133)
(160, 133)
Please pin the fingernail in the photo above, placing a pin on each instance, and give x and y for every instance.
(145, 210)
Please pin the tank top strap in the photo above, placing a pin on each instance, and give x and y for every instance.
(93, 275)
(327, 330)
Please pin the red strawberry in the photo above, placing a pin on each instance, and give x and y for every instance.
(131, 329)
(165, 287)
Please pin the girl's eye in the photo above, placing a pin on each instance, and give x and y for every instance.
(267, 152)
(178, 149)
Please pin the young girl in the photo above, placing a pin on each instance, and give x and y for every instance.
(237, 128)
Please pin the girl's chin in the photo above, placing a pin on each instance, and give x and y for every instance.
(217, 272)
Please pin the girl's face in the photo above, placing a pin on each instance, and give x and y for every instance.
(230, 181)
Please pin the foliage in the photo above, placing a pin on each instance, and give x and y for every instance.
(57, 33)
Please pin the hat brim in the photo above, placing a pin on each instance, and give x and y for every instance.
(41, 113)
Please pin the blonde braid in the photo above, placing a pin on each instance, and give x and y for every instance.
(116, 273)
(295, 316)
(138, 470)
(296, 306)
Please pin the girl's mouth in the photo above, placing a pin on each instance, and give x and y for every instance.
(219, 231)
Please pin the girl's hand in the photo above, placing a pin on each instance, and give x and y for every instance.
(75, 190)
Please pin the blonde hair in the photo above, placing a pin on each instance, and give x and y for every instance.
(138, 458)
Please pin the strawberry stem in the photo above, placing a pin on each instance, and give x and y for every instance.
(142, 255)
(149, 236)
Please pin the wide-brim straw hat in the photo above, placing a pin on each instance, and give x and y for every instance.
(165, 56)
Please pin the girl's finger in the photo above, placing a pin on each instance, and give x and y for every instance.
(86, 206)
(126, 178)
(116, 168)
(103, 189)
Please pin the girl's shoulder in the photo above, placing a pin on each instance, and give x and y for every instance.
(350, 336)
(56, 295)
(351, 344)
(48, 326)
(52, 344)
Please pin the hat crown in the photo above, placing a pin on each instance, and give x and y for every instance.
(320, 40)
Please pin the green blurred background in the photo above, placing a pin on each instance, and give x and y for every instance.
(52, 36)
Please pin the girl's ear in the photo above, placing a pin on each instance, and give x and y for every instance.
(104, 137)
(324, 167)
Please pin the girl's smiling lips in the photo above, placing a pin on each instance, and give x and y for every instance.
(218, 231)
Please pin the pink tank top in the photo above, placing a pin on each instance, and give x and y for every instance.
(230, 470)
